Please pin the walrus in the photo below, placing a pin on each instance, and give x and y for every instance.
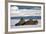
(29, 22)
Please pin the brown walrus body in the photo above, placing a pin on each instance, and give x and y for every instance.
(29, 22)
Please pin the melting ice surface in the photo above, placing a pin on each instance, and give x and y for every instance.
(14, 21)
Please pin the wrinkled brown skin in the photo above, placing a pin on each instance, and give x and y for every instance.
(30, 22)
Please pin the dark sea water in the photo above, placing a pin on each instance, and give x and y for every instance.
(27, 17)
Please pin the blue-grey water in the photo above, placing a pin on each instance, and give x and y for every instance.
(26, 17)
